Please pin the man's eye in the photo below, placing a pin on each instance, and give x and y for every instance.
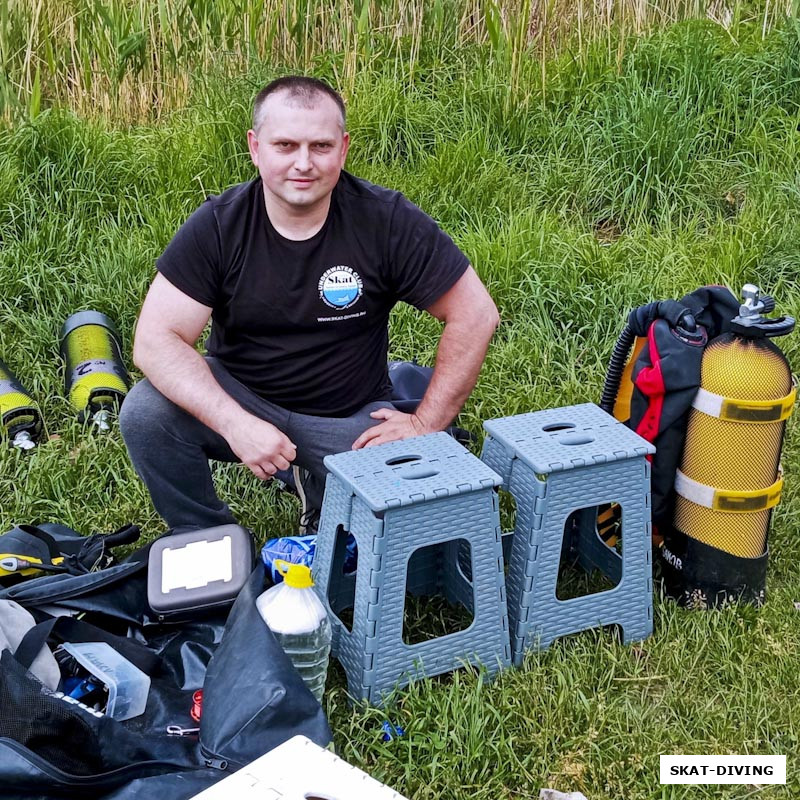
(284, 145)
(323, 146)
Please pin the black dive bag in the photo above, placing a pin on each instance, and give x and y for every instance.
(253, 698)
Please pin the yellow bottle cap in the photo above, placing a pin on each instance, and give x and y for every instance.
(298, 576)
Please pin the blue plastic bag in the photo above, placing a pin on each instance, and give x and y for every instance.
(294, 549)
(300, 550)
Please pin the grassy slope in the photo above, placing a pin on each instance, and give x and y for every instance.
(620, 184)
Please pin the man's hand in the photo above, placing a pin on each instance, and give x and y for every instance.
(260, 446)
(396, 425)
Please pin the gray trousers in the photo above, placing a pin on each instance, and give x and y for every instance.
(170, 449)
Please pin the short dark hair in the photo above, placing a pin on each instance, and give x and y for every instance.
(304, 90)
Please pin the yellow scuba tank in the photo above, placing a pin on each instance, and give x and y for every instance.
(20, 419)
(95, 376)
(617, 401)
(729, 477)
(622, 401)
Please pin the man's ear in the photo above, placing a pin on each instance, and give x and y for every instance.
(252, 146)
(345, 146)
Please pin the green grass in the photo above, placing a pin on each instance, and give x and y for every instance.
(592, 715)
(639, 170)
(132, 60)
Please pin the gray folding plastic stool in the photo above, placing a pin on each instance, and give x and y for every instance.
(554, 463)
(396, 499)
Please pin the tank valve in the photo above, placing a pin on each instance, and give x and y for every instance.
(751, 321)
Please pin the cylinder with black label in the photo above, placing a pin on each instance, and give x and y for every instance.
(95, 377)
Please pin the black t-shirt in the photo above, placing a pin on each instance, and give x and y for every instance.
(305, 324)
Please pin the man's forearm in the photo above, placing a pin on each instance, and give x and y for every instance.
(182, 375)
(462, 349)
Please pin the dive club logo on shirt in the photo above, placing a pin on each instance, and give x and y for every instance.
(340, 287)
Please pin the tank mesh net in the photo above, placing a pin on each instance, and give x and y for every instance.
(734, 455)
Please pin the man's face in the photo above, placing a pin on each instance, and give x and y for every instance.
(299, 152)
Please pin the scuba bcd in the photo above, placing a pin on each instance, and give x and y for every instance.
(706, 386)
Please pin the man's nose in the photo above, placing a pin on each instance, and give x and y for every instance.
(302, 160)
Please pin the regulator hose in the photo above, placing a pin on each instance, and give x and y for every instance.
(616, 365)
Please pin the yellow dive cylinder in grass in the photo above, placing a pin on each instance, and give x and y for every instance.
(20, 419)
(730, 478)
(95, 376)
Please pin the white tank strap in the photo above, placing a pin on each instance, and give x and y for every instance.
(734, 410)
(728, 499)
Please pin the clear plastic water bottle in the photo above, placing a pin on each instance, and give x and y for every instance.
(300, 623)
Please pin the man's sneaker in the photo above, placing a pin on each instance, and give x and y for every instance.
(309, 517)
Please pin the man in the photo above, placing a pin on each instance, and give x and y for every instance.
(298, 271)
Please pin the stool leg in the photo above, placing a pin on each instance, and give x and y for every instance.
(639, 631)
(524, 564)
(638, 571)
(329, 582)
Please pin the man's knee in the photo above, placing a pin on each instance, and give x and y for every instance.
(362, 419)
(144, 410)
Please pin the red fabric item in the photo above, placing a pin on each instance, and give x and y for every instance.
(650, 382)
